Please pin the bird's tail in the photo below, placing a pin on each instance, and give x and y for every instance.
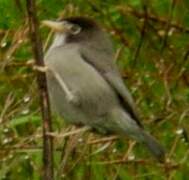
(153, 145)
(127, 126)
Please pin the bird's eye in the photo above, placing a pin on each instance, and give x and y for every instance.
(75, 29)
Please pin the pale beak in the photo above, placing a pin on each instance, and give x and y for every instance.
(55, 26)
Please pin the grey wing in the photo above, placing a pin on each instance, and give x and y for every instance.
(123, 93)
(108, 69)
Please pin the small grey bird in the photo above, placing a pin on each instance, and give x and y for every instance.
(85, 85)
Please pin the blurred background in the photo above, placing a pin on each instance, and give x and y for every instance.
(151, 44)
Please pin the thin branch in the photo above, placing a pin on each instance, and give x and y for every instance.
(70, 133)
(142, 35)
(103, 140)
(168, 25)
(124, 10)
(44, 98)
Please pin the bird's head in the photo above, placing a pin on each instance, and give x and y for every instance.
(83, 30)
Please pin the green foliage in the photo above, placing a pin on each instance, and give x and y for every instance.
(152, 42)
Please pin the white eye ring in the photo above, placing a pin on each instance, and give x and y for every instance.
(71, 28)
(75, 29)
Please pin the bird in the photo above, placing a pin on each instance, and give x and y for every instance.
(85, 85)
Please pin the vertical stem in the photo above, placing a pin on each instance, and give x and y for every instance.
(42, 84)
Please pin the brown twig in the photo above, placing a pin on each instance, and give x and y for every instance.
(102, 140)
(70, 133)
(168, 25)
(167, 166)
(124, 10)
(123, 161)
(142, 35)
(19, 36)
(42, 84)
(125, 157)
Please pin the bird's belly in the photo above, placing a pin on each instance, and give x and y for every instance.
(94, 95)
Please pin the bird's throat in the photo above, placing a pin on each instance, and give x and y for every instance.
(59, 40)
